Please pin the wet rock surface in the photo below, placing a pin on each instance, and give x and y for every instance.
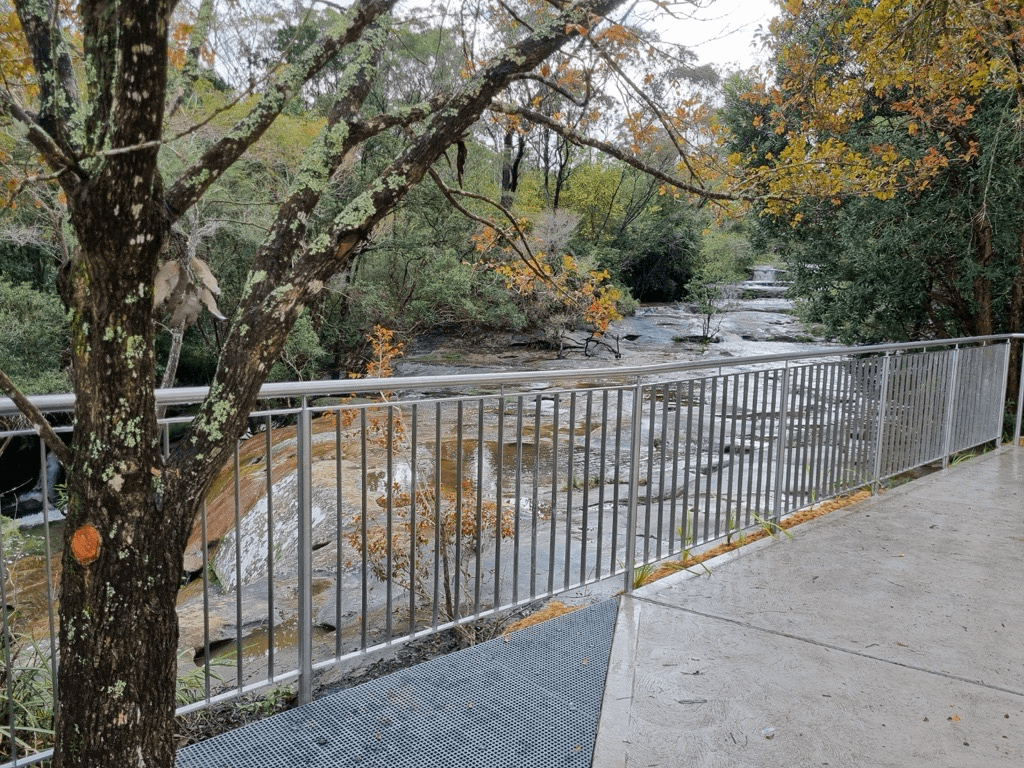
(651, 336)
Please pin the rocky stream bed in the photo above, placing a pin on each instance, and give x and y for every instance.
(234, 606)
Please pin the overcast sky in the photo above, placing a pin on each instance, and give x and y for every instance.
(722, 32)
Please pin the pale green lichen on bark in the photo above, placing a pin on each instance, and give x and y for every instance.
(253, 279)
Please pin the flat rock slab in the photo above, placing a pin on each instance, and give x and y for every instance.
(890, 633)
(529, 699)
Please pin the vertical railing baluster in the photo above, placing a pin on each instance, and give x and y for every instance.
(339, 524)
(456, 570)
(634, 481)
(764, 449)
(305, 553)
(553, 541)
(479, 520)
(689, 536)
(840, 434)
(413, 521)
(880, 423)
(535, 505)
(745, 456)
(516, 547)
(663, 449)
(598, 560)
(617, 479)
(364, 523)
(650, 473)
(44, 476)
(438, 520)
(498, 497)
(824, 432)
(721, 455)
(570, 479)
(1000, 404)
(677, 424)
(700, 458)
(586, 487)
(389, 526)
(782, 442)
(732, 510)
(796, 476)
(929, 449)
(239, 680)
(1018, 424)
(269, 479)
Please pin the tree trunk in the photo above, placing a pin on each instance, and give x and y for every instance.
(119, 632)
(981, 235)
(123, 545)
(511, 158)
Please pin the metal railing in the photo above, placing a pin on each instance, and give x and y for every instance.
(414, 505)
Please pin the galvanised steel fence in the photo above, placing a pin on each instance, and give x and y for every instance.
(360, 513)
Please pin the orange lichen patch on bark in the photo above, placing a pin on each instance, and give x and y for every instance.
(804, 515)
(549, 611)
(85, 544)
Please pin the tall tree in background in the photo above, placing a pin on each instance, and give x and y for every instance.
(89, 89)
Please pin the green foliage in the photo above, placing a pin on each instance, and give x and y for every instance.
(302, 357)
(656, 254)
(34, 339)
(882, 254)
(30, 264)
(29, 689)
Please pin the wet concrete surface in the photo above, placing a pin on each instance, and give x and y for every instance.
(890, 633)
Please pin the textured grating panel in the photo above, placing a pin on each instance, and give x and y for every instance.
(532, 699)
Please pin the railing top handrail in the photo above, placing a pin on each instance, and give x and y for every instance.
(324, 388)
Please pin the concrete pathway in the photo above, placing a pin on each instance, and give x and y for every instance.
(889, 633)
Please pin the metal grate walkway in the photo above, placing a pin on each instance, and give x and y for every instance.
(529, 699)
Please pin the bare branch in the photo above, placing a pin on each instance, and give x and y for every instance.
(611, 150)
(41, 140)
(677, 140)
(450, 194)
(34, 179)
(53, 442)
(553, 86)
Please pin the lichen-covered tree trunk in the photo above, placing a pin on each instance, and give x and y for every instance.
(123, 542)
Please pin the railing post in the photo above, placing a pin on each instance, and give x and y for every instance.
(1020, 399)
(305, 555)
(634, 483)
(1001, 405)
(951, 393)
(783, 444)
(879, 439)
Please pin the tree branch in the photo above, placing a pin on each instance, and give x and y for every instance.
(613, 151)
(549, 83)
(184, 193)
(43, 142)
(677, 140)
(58, 92)
(269, 308)
(449, 195)
(33, 414)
